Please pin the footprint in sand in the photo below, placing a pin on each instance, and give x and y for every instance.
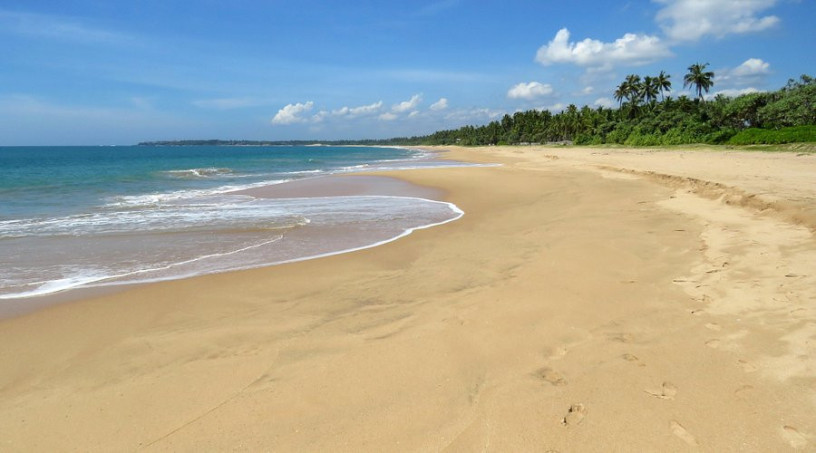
(743, 391)
(796, 439)
(713, 344)
(575, 415)
(622, 337)
(713, 326)
(630, 357)
(553, 377)
(748, 367)
(678, 430)
(667, 391)
(556, 353)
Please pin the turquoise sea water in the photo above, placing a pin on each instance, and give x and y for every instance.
(84, 216)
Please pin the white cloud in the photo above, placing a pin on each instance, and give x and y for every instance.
(752, 67)
(319, 116)
(690, 20)
(407, 105)
(388, 116)
(362, 110)
(290, 114)
(474, 115)
(441, 104)
(751, 72)
(555, 108)
(604, 102)
(631, 49)
(732, 93)
(588, 90)
(530, 90)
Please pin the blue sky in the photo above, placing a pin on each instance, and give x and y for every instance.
(119, 72)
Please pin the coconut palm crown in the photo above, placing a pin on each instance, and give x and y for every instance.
(649, 88)
(663, 83)
(699, 78)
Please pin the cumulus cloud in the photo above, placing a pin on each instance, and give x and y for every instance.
(362, 110)
(291, 113)
(752, 71)
(732, 93)
(474, 114)
(319, 116)
(752, 67)
(690, 20)
(604, 102)
(407, 105)
(631, 49)
(555, 108)
(530, 90)
(441, 104)
(388, 116)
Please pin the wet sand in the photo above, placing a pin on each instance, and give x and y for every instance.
(355, 184)
(343, 185)
(585, 302)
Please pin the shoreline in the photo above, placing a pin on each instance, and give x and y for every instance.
(575, 307)
(83, 267)
(345, 184)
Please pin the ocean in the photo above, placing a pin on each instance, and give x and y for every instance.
(73, 217)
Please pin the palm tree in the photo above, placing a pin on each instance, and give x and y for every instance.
(699, 78)
(620, 93)
(649, 89)
(633, 88)
(684, 104)
(663, 83)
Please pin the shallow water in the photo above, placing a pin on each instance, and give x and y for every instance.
(79, 217)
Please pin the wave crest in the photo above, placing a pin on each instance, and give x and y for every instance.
(198, 173)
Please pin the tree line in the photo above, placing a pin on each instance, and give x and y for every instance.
(641, 119)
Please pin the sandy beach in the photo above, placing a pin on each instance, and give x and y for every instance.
(588, 300)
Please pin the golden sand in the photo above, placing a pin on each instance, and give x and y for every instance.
(589, 300)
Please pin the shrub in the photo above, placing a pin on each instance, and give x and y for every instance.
(754, 136)
(719, 137)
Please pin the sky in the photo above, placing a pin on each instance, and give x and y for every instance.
(101, 72)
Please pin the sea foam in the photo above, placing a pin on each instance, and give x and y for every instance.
(83, 217)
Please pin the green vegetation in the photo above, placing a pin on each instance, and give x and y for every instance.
(784, 116)
(755, 136)
(771, 118)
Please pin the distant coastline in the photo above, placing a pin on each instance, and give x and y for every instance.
(216, 142)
